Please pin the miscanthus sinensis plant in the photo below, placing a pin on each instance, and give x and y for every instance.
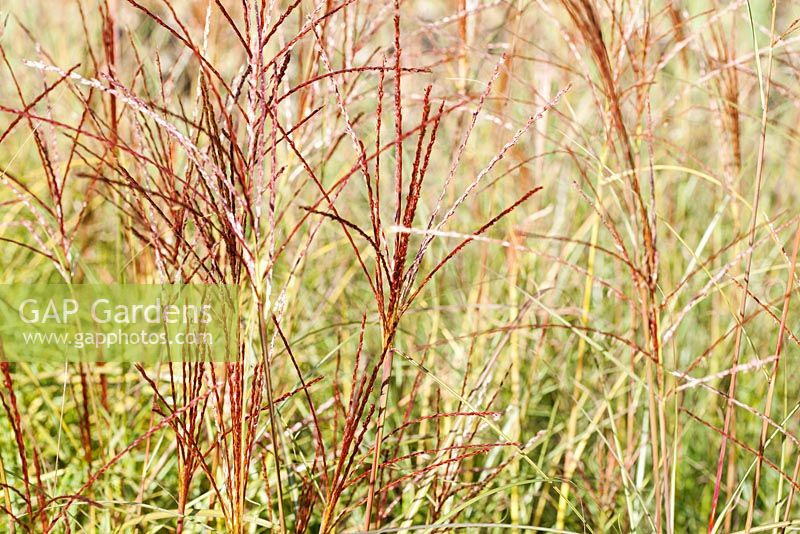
(502, 265)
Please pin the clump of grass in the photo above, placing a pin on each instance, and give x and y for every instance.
(497, 269)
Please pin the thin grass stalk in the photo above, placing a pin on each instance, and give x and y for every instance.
(765, 91)
(771, 387)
